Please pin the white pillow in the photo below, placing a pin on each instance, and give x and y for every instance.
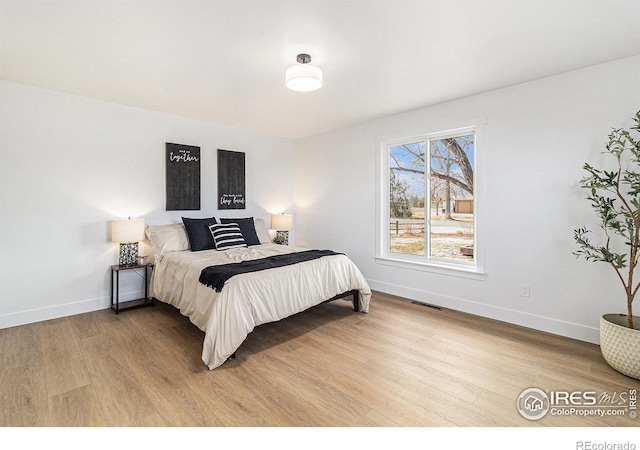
(167, 238)
(262, 231)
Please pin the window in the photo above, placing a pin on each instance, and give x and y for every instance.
(427, 200)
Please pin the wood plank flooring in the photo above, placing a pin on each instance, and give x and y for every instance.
(401, 365)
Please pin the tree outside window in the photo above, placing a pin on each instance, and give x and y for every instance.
(431, 198)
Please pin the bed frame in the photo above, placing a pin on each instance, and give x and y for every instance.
(355, 298)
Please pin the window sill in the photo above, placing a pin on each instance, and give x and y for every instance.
(472, 273)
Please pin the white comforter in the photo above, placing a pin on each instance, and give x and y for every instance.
(249, 300)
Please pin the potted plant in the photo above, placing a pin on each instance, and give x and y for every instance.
(615, 197)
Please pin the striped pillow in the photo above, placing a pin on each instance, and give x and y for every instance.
(227, 235)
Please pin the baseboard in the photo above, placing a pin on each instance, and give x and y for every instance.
(536, 322)
(62, 310)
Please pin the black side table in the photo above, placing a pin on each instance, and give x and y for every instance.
(115, 291)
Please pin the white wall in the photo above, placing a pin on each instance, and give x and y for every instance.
(68, 165)
(536, 138)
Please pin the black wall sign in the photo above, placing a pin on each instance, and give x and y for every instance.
(183, 177)
(231, 183)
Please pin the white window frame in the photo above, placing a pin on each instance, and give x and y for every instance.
(420, 262)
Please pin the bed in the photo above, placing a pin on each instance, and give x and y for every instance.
(246, 300)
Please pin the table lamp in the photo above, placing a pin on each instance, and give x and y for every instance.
(127, 232)
(282, 223)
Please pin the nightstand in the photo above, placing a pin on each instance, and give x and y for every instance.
(116, 305)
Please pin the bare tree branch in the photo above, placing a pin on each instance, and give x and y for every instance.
(461, 184)
(462, 160)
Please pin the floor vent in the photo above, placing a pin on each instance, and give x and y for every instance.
(428, 305)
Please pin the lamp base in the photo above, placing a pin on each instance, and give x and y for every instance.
(282, 237)
(128, 254)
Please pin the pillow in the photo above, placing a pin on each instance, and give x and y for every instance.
(261, 230)
(227, 235)
(167, 238)
(199, 235)
(248, 229)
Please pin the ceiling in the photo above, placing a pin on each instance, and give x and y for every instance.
(224, 61)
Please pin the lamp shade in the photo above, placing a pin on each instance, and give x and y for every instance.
(127, 230)
(281, 222)
(303, 76)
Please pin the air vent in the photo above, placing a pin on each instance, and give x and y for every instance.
(428, 305)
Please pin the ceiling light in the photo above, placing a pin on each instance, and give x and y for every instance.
(303, 76)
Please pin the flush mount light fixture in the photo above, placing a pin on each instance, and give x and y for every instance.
(303, 76)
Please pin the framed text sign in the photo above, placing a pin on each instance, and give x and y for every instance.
(231, 183)
(183, 177)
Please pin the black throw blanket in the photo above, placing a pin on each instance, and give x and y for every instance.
(216, 276)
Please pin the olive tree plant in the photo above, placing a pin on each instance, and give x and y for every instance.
(615, 197)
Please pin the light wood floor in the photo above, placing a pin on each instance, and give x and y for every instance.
(401, 365)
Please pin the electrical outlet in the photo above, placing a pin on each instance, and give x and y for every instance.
(524, 290)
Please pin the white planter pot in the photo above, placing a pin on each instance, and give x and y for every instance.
(620, 345)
